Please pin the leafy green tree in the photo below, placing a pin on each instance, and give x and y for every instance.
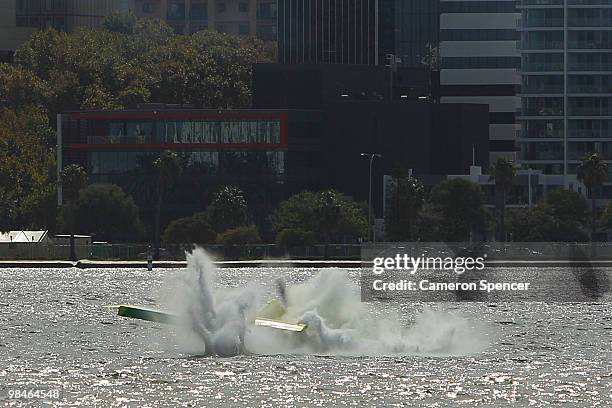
(460, 209)
(290, 238)
(168, 171)
(132, 62)
(72, 179)
(429, 224)
(239, 236)
(20, 88)
(124, 23)
(106, 211)
(405, 201)
(567, 205)
(228, 209)
(503, 172)
(27, 170)
(593, 172)
(190, 230)
(331, 216)
(558, 218)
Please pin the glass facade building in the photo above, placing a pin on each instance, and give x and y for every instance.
(356, 31)
(417, 26)
(328, 31)
(271, 152)
(566, 89)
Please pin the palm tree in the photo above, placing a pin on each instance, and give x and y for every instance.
(593, 172)
(72, 180)
(168, 170)
(503, 172)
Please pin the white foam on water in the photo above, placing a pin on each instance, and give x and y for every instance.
(215, 321)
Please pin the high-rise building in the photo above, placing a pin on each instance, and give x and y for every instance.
(480, 61)
(10, 34)
(328, 31)
(19, 18)
(356, 31)
(65, 15)
(566, 90)
(239, 17)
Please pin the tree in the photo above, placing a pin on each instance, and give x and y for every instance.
(72, 179)
(503, 172)
(331, 216)
(168, 171)
(124, 23)
(228, 209)
(20, 88)
(135, 61)
(106, 211)
(606, 217)
(558, 218)
(593, 172)
(240, 236)
(460, 207)
(567, 205)
(190, 230)
(289, 238)
(405, 201)
(27, 170)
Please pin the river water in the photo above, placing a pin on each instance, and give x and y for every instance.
(56, 334)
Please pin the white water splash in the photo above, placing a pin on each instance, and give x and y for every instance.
(214, 321)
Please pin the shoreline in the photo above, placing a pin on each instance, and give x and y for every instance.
(275, 263)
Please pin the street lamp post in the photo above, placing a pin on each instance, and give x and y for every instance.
(371, 156)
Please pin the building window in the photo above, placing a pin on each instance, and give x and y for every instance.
(178, 29)
(199, 11)
(34, 22)
(60, 24)
(479, 7)
(147, 8)
(221, 28)
(21, 5)
(60, 5)
(243, 29)
(266, 10)
(48, 5)
(176, 10)
(266, 32)
(221, 7)
(200, 27)
(243, 7)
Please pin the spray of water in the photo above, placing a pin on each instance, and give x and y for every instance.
(220, 322)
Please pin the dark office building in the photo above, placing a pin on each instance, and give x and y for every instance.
(358, 117)
(314, 86)
(431, 139)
